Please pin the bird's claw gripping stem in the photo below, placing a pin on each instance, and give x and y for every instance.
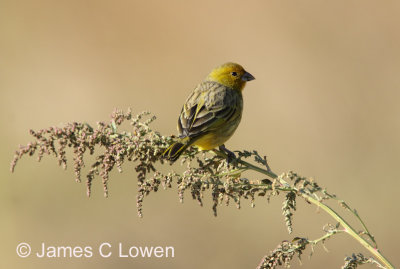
(231, 156)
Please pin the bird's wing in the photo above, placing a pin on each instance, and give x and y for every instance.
(210, 105)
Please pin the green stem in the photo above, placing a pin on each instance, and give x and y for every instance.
(350, 230)
(347, 227)
(258, 169)
(354, 212)
(324, 237)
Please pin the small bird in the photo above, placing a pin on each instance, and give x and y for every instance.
(212, 112)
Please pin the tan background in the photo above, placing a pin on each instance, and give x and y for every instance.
(324, 104)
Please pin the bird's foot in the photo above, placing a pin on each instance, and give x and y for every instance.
(231, 157)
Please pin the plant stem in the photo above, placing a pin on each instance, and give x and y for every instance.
(258, 169)
(355, 213)
(324, 237)
(347, 227)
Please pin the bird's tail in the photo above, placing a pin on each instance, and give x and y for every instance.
(173, 152)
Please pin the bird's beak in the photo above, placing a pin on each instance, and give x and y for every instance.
(247, 77)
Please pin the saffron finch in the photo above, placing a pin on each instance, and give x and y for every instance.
(212, 112)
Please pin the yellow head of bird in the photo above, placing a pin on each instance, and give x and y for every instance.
(231, 75)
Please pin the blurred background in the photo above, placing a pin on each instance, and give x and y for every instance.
(325, 103)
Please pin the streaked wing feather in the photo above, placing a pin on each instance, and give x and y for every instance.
(209, 106)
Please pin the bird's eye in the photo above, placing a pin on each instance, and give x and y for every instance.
(234, 74)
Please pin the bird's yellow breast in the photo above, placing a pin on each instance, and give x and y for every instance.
(218, 137)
